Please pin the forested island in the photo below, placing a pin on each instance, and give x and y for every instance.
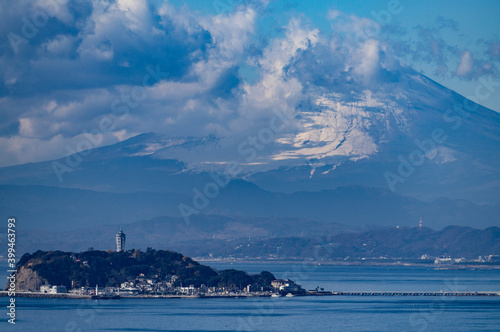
(152, 274)
(136, 272)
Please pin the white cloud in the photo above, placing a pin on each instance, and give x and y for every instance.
(368, 60)
(26, 127)
(282, 51)
(113, 25)
(275, 89)
(137, 13)
(466, 64)
(55, 8)
(230, 34)
(102, 64)
(333, 14)
(61, 45)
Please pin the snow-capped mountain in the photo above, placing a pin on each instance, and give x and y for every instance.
(413, 137)
(329, 125)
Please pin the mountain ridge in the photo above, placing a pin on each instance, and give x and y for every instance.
(224, 237)
(300, 172)
(69, 208)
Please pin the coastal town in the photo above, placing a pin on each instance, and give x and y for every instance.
(150, 284)
(155, 287)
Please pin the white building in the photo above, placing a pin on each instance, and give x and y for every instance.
(47, 289)
(446, 260)
(186, 290)
(129, 290)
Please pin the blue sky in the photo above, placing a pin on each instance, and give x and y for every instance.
(475, 24)
(120, 68)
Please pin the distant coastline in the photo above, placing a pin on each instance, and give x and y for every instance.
(161, 274)
(368, 262)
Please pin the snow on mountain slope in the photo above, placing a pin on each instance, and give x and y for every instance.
(332, 127)
(339, 136)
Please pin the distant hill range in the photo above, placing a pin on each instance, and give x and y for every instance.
(411, 243)
(52, 208)
(409, 149)
(221, 236)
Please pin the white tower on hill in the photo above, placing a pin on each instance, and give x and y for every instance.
(120, 241)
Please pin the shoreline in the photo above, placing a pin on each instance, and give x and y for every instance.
(144, 296)
(250, 295)
(354, 263)
(367, 262)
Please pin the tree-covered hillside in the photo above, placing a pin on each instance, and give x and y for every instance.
(108, 268)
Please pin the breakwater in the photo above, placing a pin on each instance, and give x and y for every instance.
(243, 295)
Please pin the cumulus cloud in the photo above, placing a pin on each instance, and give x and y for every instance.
(163, 69)
(141, 67)
(493, 50)
(466, 64)
(431, 45)
(167, 69)
(368, 60)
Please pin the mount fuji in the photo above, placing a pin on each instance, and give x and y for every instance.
(411, 147)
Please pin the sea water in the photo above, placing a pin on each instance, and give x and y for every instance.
(329, 313)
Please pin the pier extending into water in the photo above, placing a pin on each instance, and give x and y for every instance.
(404, 293)
(246, 295)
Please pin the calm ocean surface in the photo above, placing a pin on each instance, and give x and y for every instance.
(286, 314)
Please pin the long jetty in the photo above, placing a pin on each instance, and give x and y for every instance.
(244, 295)
(314, 293)
(45, 295)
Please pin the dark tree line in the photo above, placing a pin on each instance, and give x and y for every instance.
(112, 268)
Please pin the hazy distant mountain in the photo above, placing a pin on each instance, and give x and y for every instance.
(219, 236)
(170, 232)
(389, 242)
(51, 208)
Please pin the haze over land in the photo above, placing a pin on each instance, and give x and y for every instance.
(206, 123)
